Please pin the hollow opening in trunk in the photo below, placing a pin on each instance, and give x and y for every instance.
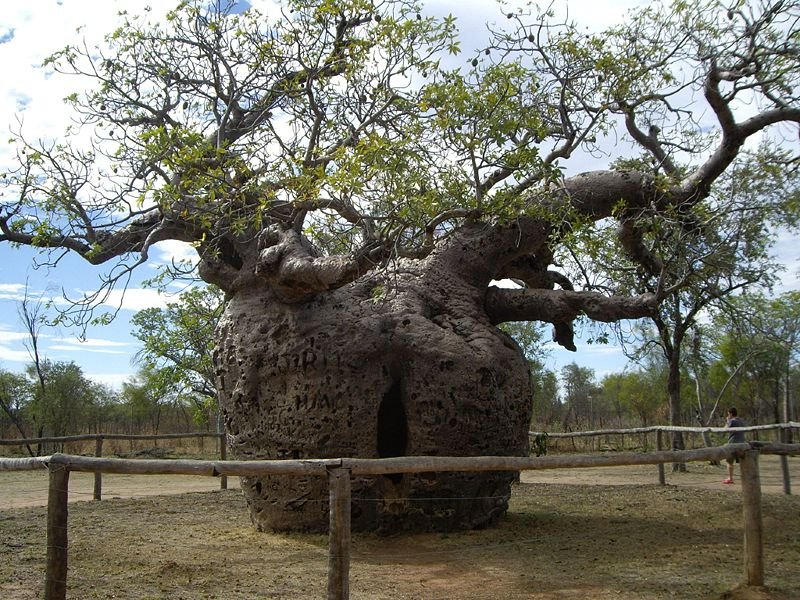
(392, 426)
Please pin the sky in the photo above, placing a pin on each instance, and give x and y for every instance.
(32, 96)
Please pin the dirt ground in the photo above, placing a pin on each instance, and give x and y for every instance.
(570, 534)
(29, 488)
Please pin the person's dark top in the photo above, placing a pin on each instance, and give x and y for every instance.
(736, 437)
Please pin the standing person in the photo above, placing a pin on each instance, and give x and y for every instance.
(734, 437)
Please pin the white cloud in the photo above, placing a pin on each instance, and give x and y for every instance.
(599, 349)
(95, 343)
(10, 344)
(11, 336)
(73, 348)
(97, 346)
(598, 14)
(130, 299)
(136, 299)
(504, 283)
(114, 380)
(175, 251)
(20, 356)
(9, 347)
(12, 291)
(40, 28)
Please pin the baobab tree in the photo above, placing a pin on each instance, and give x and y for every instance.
(355, 195)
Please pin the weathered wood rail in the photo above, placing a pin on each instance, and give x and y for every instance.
(668, 428)
(85, 437)
(98, 447)
(339, 472)
(659, 430)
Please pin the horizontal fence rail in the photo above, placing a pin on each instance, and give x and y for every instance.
(666, 429)
(659, 430)
(384, 466)
(98, 439)
(85, 437)
(540, 440)
(340, 470)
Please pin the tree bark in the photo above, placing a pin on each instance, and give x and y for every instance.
(675, 408)
(400, 366)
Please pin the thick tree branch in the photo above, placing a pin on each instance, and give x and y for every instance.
(295, 271)
(632, 239)
(483, 251)
(554, 306)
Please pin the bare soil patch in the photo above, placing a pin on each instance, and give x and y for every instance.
(29, 488)
(613, 533)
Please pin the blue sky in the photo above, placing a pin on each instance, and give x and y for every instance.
(29, 32)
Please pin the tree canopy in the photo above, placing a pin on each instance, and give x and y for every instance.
(305, 148)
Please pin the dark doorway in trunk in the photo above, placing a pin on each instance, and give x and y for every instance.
(392, 427)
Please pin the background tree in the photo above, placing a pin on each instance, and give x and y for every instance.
(581, 397)
(31, 313)
(103, 404)
(547, 406)
(758, 345)
(63, 403)
(71, 404)
(149, 400)
(638, 397)
(15, 395)
(178, 345)
(354, 200)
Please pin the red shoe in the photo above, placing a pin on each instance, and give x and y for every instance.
(727, 481)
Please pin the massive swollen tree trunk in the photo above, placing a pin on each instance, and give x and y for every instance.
(398, 362)
(410, 366)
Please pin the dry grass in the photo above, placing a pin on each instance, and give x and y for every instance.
(559, 541)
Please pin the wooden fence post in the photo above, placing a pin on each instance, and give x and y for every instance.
(223, 455)
(55, 582)
(785, 436)
(659, 447)
(753, 524)
(339, 534)
(98, 476)
(787, 480)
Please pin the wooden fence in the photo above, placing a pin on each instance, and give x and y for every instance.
(660, 430)
(340, 471)
(98, 447)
